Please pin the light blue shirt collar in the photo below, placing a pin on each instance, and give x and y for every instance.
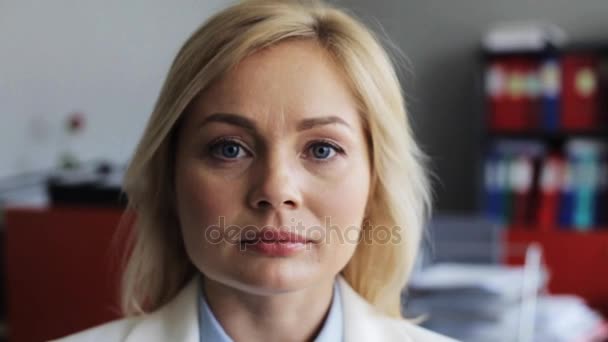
(211, 331)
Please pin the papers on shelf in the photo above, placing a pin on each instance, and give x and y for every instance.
(523, 36)
(473, 302)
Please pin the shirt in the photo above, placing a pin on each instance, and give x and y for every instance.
(210, 329)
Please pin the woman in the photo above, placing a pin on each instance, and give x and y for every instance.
(279, 193)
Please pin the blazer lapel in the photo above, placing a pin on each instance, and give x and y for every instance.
(363, 323)
(177, 321)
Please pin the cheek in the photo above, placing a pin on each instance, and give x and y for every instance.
(340, 206)
(344, 198)
(199, 196)
(203, 201)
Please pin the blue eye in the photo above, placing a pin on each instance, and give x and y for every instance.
(230, 150)
(323, 150)
(227, 150)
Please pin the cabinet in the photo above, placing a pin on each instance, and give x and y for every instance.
(62, 267)
(577, 262)
(545, 161)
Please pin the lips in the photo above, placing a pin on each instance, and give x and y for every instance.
(274, 235)
(272, 242)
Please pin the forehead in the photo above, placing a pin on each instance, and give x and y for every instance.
(282, 84)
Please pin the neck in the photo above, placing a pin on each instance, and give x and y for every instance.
(292, 316)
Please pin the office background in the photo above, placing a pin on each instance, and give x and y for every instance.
(106, 61)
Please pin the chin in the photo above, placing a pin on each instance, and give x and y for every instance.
(269, 277)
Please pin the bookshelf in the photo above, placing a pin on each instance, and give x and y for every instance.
(544, 155)
(553, 138)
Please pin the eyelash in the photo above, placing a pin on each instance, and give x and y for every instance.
(220, 142)
(325, 142)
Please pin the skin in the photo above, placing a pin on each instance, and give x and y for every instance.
(281, 172)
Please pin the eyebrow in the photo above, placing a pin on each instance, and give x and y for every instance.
(326, 120)
(232, 119)
(241, 121)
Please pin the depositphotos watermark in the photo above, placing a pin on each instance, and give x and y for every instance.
(328, 233)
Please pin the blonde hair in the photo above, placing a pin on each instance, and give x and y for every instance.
(158, 266)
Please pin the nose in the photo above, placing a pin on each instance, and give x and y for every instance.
(275, 187)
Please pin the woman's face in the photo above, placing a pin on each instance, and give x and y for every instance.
(272, 172)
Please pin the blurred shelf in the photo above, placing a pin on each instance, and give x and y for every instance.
(549, 136)
(599, 47)
(531, 231)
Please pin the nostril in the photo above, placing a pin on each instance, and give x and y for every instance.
(264, 204)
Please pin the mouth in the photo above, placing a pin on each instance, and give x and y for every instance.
(271, 235)
(274, 242)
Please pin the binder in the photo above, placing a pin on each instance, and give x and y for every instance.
(601, 204)
(551, 84)
(580, 91)
(508, 91)
(521, 186)
(496, 93)
(503, 190)
(493, 188)
(532, 93)
(585, 157)
(603, 97)
(550, 182)
(522, 92)
(566, 196)
(535, 194)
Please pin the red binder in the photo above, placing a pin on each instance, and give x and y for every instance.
(550, 185)
(533, 93)
(580, 92)
(521, 181)
(496, 93)
(513, 90)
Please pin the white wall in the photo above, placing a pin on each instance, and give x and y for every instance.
(106, 58)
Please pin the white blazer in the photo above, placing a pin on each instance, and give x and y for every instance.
(177, 321)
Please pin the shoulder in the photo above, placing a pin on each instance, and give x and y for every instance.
(363, 322)
(176, 321)
(112, 331)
